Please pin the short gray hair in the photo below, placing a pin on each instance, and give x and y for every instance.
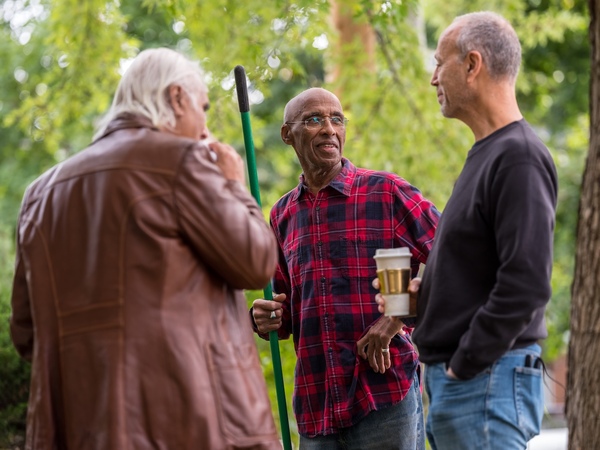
(491, 35)
(143, 89)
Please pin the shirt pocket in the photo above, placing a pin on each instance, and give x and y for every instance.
(296, 257)
(353, 255)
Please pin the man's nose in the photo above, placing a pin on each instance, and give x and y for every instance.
(205, 134)
(434, 78)
(328, 126)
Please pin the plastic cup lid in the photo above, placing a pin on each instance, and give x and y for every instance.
(392, 252)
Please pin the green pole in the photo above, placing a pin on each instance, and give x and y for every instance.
(244, 105)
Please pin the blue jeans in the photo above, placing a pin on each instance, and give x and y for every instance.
(399, 427)
(501, 408)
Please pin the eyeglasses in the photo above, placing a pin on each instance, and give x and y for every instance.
(315, 122)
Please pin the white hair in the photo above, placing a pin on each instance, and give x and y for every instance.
(143, 89)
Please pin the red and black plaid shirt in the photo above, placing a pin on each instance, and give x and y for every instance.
(326, 266)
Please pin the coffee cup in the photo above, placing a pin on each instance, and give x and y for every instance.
(393, 272)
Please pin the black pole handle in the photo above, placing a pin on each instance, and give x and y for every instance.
(241, 88)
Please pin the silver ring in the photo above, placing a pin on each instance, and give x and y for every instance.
(273, 315)
(385, 350)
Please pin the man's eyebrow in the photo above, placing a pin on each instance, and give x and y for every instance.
(320, 114)
(311, 113)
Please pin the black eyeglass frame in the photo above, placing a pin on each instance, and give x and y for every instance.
(321, 122)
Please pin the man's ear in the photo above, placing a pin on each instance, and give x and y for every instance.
(286, 134)
(474, 62)
(175, 94)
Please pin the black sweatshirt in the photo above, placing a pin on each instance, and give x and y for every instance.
(487, 280)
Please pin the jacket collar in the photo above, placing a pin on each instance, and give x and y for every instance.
(127, 120)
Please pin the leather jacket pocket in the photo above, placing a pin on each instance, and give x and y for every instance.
(239, 389)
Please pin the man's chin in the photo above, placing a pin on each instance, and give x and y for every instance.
(330, 163)
(447, 112)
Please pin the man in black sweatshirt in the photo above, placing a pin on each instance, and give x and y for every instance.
(487, 282)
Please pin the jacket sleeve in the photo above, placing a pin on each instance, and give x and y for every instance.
(21, 320)
(223, 223)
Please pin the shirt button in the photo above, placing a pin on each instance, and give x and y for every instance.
(322, 279)
(320, 243)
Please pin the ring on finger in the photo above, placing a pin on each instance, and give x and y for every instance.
(385, 350)
(273, 315)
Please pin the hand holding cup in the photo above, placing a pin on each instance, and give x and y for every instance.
(393, 273)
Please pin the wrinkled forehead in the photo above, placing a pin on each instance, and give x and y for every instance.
(315, 100)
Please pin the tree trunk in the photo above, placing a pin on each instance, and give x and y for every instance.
(583, 393)
(356, 41)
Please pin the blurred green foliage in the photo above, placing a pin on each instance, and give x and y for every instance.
(62, 60)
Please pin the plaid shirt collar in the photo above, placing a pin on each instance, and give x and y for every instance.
(342, 182)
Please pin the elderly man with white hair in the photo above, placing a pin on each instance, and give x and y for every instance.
(131, 260)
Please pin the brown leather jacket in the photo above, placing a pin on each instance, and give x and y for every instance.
(131, 257)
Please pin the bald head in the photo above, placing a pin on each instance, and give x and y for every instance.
(296, 106)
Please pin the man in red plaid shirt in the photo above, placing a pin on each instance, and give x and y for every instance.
(356, 377)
